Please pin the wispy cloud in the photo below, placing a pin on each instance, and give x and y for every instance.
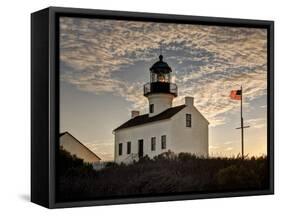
(103, 148)
(257, 123)
(207, 61)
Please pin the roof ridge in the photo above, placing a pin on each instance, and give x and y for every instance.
(87, 148)
(163, 111)
(144, 119)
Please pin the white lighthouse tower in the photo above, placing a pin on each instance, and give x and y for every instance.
(160, 92)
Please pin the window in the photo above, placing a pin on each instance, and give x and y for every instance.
(120, 149)
(153, 77)
(151, 108)
(153, 143)
(163, 77)
(160, 77)
(140, 154)
(188, 120)
(128, 147)
(163, 142)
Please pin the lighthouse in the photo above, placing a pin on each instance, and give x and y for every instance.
(165, 127)
(160, 92)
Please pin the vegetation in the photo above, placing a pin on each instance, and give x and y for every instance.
(165, 174)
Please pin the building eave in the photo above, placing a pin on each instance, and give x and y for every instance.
(145, 119)
(144, 124)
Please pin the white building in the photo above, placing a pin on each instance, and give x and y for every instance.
(75, 147)
(178, 129)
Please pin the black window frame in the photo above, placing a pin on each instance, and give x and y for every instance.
(188, 120)
(151, 108)
(153, 143)
(163, 141)
(120, 149)
(129, 147)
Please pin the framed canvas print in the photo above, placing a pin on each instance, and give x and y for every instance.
(139, 107)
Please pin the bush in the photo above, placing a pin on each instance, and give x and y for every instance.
(144, 159)
(67, 161)
(111, 165)
(169, 155)
(166, 173)
(238, 175)
(183, 156)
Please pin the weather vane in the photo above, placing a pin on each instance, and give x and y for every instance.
(160, 45)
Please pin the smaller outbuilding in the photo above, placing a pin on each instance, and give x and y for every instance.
(69, 143)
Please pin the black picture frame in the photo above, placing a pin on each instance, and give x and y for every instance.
(45, 100)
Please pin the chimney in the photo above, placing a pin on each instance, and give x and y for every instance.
(135, 113)
(189, 101)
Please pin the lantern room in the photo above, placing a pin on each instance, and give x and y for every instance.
(160, 79)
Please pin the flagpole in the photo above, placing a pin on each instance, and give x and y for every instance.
(242, 125)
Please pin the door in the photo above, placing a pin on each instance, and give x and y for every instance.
(140, 148)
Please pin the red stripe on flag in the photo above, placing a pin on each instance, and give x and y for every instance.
(234, 95)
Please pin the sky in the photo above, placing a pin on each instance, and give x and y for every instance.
(105, 63)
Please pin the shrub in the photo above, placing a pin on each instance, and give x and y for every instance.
(169, 155)
(238, 175)
(184, 156)
(144, 159)
(167, 172)
(111, 165)
(67, 161)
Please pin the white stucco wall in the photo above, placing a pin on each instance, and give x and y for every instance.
(144, 132)
(74, 147)
(179, 138)
(192, 139)
(161, 102)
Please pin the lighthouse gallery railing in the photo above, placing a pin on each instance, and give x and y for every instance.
(160, 87)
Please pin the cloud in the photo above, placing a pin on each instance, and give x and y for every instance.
(213, 147)
(229, 149)
(103, 148)
(257, 123)
(207, 61)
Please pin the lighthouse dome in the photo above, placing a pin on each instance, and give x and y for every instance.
(160, 66)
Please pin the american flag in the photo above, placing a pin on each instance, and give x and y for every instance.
(235, 94)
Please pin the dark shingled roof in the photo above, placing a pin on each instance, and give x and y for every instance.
(143, 119)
